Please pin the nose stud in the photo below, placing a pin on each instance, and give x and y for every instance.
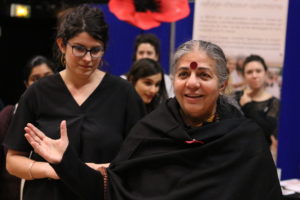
(193, 65)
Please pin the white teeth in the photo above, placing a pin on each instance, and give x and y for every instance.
(192, 96)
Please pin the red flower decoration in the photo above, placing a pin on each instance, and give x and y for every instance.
(169, 11)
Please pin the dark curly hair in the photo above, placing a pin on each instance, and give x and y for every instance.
(83, 18)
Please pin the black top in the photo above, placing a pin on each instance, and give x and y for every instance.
(162, 159)
(96, 129)
(264, 113)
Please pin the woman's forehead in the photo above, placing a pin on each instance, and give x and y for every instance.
(196, 59)
(197, 56)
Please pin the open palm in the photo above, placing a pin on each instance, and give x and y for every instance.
(50, 149)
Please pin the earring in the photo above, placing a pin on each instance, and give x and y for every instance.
(63, 60)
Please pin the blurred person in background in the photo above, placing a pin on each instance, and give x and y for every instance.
(147, 45)
(256, 102)
(36, 68)
(147, 77)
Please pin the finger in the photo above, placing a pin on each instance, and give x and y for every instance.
(29, 138)
(63, 130)
(32, 142)
(32, 135)
(37, 131)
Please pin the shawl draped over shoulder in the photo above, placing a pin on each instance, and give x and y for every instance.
(224, 160)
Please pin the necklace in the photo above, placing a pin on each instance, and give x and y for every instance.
(197, 123)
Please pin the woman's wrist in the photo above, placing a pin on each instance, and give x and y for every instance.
(30, 170)
(39, 170)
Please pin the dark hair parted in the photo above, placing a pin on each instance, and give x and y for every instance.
(147, 38)
(253, 58)
(34, 62)
(83, 18)
(148, 67)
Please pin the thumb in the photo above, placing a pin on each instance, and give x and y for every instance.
(63, 131)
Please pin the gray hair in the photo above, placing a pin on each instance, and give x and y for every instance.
(213, 51)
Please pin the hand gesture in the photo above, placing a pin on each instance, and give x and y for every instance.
(246, 97)
(50, 149)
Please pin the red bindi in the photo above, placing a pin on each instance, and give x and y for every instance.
(193, 65)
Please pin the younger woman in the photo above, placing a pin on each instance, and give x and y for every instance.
(100, 108)
(256, 102)
(147, 77)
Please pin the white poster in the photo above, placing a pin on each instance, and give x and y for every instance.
(244, 27)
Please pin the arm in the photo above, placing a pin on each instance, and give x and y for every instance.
(246, 97)
(267, 123)
(18, 164)
(81, 179)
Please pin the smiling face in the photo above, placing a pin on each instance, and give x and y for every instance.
(148, 87)
(255, 75)
(196, 88)
(80, 65)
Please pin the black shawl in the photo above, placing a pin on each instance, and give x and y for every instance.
(228, 160)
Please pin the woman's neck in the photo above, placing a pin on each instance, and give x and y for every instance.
(79, 81)
(198, 121)
(260, 94)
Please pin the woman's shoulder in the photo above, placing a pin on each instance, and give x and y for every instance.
(237, 95)
(43, 86)
(117, 88)
(45, 81)
(116, 80)
(275, 100)
(165, 117)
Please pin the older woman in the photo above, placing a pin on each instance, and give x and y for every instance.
(195, 146)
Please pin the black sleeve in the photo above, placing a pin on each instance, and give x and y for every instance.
(135, 110)
(25, 113)
(84, 181)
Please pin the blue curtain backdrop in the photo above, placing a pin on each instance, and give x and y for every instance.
(289, 129)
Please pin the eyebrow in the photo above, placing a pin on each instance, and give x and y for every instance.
(198, 68)
(96, 46)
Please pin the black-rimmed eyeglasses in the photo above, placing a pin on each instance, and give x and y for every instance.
(81, 51)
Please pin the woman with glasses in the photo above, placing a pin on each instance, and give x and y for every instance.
(100, 109)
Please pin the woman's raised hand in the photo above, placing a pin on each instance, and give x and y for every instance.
(246, 97)
(50, 149)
